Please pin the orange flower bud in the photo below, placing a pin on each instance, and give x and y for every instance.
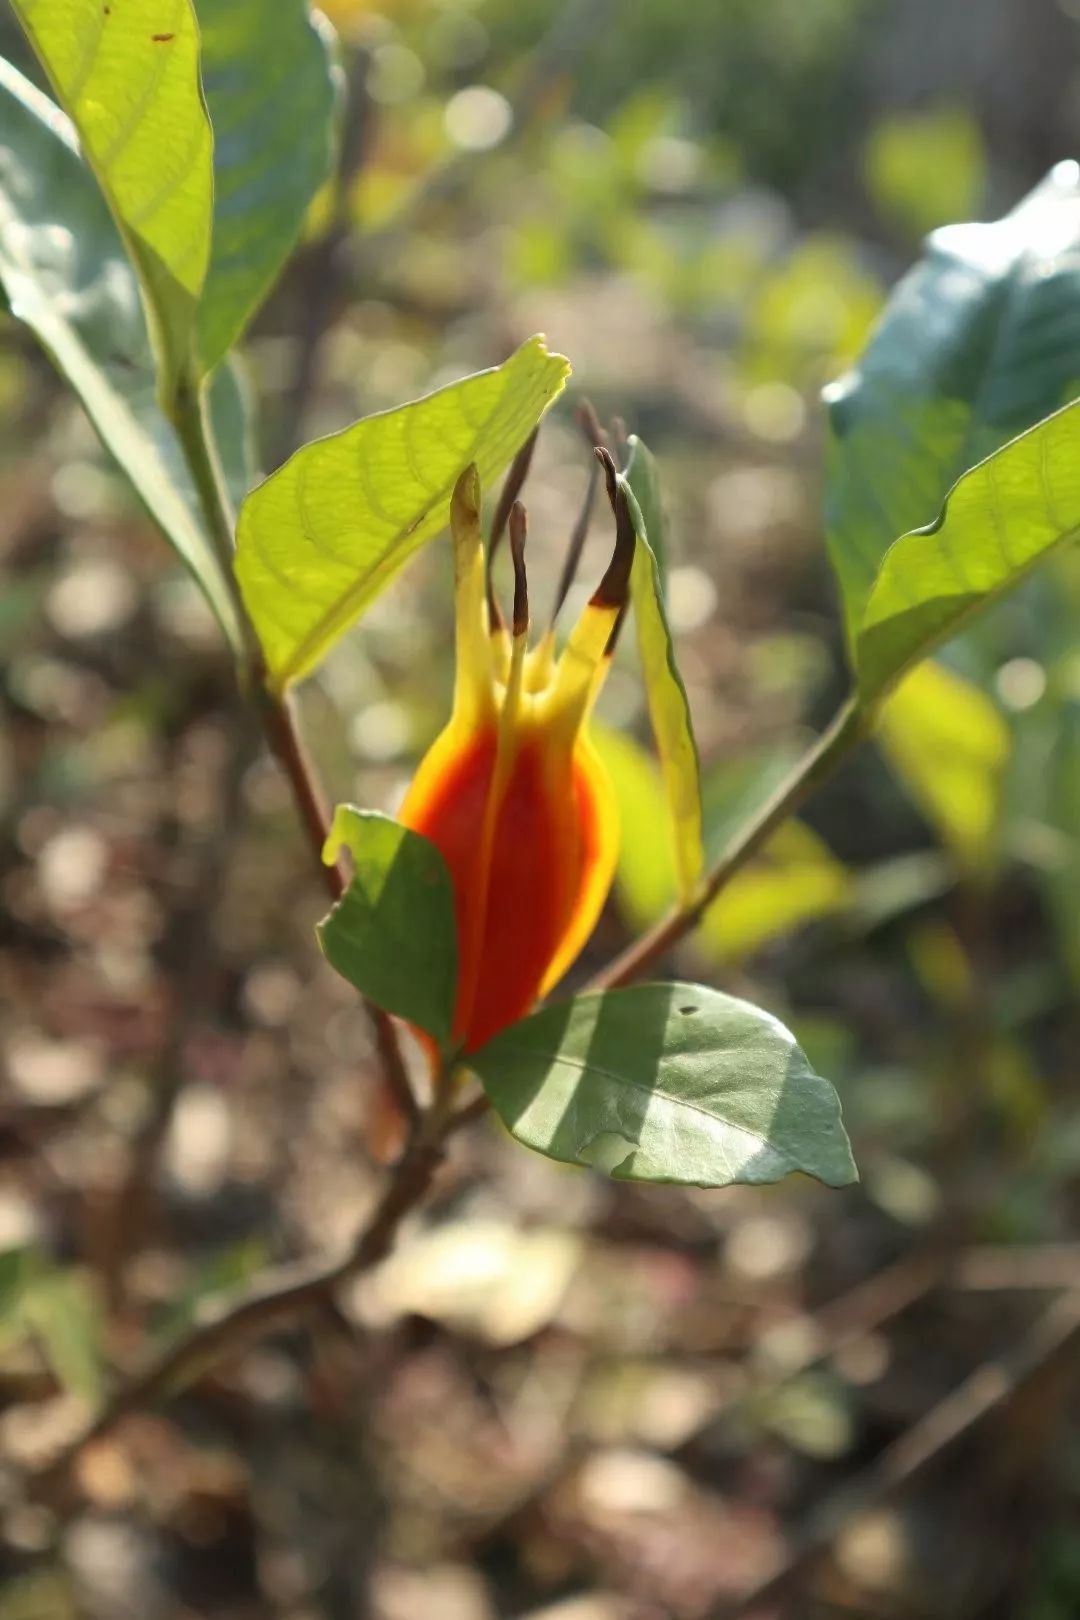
(512, 793)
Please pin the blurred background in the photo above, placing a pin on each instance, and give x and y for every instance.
(561, 1399)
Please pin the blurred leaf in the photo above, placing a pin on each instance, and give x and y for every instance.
(666, 1082)
(18, 1268)
(326, 533)
(794, 880)
(218, 1274)
(129, 77)
(978, 341)
(950, 746)
(1062, 881)
(645, 877)
(809, 314)
(61, 1310)
(272, 91)
(998, 522)
(393, 932)
(669, 708)
(926, 168)
(66, 274)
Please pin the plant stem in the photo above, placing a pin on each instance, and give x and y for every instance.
(848, 728)
(195, 431)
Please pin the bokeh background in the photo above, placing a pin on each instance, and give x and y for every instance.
(562, 1399)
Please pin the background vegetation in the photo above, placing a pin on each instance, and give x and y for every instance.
(562, 1397)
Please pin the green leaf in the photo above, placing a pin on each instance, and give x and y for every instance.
(393, 934)
(795, 879)
(643, 476)
(18, 1268)
(950, 746)
(61, 1309)
(669, 708)
(998, 522)
(666, 1082)
(128, 74)
(273, 91)
(66, 275)
(645, 875)
(326, 533)
(978, 342)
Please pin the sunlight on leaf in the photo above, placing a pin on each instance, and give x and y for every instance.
(666, 1082)
(959, 363)
(669, 708)
(85, 308)
(129, 77)
(272, 91)
(392, 934)
(328, 532)
(999, 521)
(950, 746)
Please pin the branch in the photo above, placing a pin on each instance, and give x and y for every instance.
(1054, 1336)
(820, 761)
(231, 1322)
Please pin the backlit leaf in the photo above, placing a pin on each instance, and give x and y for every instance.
(326, 533)
(128, 75)
(66, 275)
(666, 1082)
(999, 521)
(272, 91)
(392, 934)
(979, 341)
(950, 746)
(793, 880)
(669, 708)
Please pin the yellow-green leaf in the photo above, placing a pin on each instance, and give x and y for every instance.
(85, 309)
(645, 878)
(950, 746)
(326, 533)
(795, 880)
(669, 708)
(128, 74)
(998, 522)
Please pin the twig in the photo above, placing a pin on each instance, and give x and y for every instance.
(1054, 1335)
(230, 1322)
(821, 761)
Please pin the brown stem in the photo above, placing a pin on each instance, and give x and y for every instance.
(232, 1321)
(821, 760)
(283, 735)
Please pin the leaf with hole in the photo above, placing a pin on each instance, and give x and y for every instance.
(329, 531)
(392, 934)
(66, 275)
(666, 1082)
(999, 521)
(272, 91)
(128, 75)
(978, 342)
(669, 707)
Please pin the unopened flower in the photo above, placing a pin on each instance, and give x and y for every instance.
(512, 792)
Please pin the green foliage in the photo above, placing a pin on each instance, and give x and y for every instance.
(66, 275)
(978, 341)
(128, 76)
(666, 1082)
(951, 747)
(926, 168)
(669, 708)
(795, 879)
(58, 1308)
(1000, 520)
(325, 534)
(272, 91)
(392, 933)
